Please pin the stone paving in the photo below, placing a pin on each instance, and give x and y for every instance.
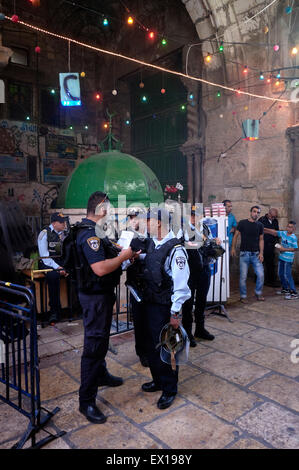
(240, 391)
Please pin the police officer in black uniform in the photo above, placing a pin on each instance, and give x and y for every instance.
(137, 306)
(166, 273)
(101, 263)
(199, 280)
(49, 247)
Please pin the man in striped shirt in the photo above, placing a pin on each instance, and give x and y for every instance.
(287, 248)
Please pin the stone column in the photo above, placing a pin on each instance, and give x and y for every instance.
(193, 151)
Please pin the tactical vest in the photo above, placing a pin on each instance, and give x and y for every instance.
(158, 285)
(88, 281)
(195, 258)
(54, 247)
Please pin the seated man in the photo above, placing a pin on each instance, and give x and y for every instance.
(49, 247)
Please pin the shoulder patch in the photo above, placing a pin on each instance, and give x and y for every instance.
(42, 234)
(94, 243)
(180, 261)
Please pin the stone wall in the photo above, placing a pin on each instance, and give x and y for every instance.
(255, 172)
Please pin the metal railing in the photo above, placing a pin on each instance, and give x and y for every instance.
(19, 370)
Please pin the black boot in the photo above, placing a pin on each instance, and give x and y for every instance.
(193, 343)
(92, 413)
(203, 334)
(110, 380)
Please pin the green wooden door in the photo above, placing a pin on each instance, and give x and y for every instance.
(159, 127)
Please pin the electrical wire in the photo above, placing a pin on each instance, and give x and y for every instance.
(145, 64)
(222, 35)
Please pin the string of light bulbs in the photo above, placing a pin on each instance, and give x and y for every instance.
(237, 26)
(140, 62)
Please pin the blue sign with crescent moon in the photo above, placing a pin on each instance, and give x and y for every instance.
(70, 89)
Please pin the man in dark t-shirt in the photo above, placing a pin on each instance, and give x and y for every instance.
(270, 221)
(251, 252)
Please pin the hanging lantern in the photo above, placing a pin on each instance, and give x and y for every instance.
(250, 129)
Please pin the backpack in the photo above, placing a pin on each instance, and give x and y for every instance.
(81, 272)
(70, 260)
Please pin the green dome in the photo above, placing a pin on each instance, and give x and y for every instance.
(114, 173)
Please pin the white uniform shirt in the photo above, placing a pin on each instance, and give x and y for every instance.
(42, 242)
(176, 266)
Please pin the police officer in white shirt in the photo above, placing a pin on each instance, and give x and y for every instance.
(49, 245)
(166, 275)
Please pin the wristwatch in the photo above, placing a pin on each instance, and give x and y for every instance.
(176, 315)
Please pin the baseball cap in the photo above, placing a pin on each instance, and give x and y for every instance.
(58, 217)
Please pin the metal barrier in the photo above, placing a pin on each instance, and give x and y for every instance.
(122, 319)
(19, 371)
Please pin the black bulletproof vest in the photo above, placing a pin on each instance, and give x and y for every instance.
(158, 285)
(195, 259)
(88, 281)
(54, 248)
(54, 244)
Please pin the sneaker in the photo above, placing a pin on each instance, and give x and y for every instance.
(282, 292)
(291, 295)
(260, 298)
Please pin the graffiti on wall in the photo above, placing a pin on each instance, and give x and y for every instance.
(17, 139)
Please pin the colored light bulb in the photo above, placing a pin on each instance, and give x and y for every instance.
(245, 70)
(164, 42)
(294, 50)
(261, 76)
(221, 47)
(276, 47)
(144, 99)
(105, 22)
(151, 35)
(208, 58)
(98, 96)
(130, 20)
(218, 94)
(163, 91)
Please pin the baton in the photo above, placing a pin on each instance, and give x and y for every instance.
(134, 293)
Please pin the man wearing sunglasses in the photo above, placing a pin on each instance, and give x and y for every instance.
(251, 252)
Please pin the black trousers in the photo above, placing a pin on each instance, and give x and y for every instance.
(269, 265)
(97, 316)
(156, 318)
(199, 286)
(140, 330)
(53, 281)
